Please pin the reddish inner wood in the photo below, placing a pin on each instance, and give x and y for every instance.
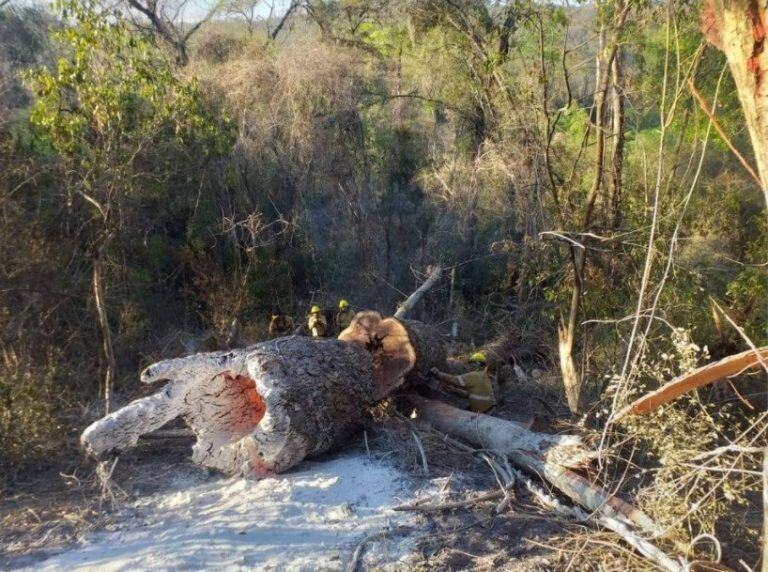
(248, 407)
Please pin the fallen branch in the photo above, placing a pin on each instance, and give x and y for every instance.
(411, 301)
(438, 507)
(546, 456)
(710, 373)
(352, 566)
(643, 546)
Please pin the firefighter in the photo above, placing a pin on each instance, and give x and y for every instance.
(317, 325)
(479, 386)
(344, 315)
(280, 324)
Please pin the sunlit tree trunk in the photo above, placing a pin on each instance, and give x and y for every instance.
(738, 28)
(618, 134)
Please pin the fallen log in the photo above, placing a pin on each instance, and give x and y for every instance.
(548, 456)
(256, 410)
(403, 351)
(411, 300)
(705, 375)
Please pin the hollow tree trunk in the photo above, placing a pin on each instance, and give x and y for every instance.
(403, 351)
(256, 410)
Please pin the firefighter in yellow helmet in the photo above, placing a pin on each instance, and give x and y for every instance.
(280, 324)
(344, 315)
(317, 325)
(479, 386)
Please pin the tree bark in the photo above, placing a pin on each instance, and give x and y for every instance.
(617, 108)
(710, 373)
(256, 410)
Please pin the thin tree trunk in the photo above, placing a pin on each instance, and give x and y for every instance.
(617, 105)
(411, 301)
(106, 333)
(567, 334)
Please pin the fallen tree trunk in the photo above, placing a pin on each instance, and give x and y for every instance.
(256, 410)
(403, 351)
(411, 300)
(547, 456)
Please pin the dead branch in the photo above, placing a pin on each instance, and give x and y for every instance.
(411, 301)
(547, 456)
(705, 375)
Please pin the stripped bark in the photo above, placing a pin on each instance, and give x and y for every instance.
(403, 350)
(705, 375)
(411, 301)
(256, 410)
(643, 546)
(502, 436)
(547, 456)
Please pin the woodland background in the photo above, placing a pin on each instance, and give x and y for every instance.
(164, 185)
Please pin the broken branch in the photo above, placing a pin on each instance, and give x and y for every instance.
(710, 373)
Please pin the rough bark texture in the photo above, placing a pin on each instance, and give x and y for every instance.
(255, 410)
(403, 351)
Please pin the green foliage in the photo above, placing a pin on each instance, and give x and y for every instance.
(112, 96)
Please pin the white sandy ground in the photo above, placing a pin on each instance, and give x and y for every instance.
(309, 519)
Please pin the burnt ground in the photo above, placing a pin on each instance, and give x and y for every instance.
(50, 511)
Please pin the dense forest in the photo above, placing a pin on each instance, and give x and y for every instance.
(585, 174)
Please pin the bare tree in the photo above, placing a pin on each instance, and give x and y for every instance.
(292, 7)
(166, 19)
(246, 10)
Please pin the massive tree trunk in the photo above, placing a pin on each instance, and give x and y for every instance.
(403, 351)
(254, 411)
(265, 408)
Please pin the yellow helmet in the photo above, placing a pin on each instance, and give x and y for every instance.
(343, 304)
(315, 310)
(478, 357)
